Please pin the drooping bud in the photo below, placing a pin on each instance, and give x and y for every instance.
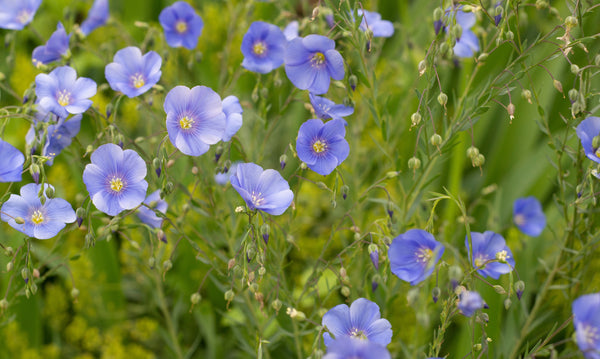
(457, 31)
(156, 165)
(499, 289)
(571, 22)
(229, 295)
(282, 161)
(353, 81)
(167, 265)
(511, 111)
(276, 305)
(345, 189)
(160, 234)
(9, 266)
(455, 273)
(34, 169)
(472, 152)
(75, 294)
(374, 254)
(442, 99)
(575, 69)
(498, 15)
(422, 67)
(195, 298)
(80, 213)
(573, 95)
(264, 232)
(479, 160)
(437, 14)
(519, 288)
(414, 163)
(345, 291)
(507, 303)
(526, 94)
(218, 152)
(436, 140)
(437, 26)
(415, 118)
(435, 294)
(510, 35)
(557, 85)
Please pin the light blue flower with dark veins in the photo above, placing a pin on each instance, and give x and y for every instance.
(115, 179)
(15, 14)
(233, 110)
(133, 73)
(353, 348)
(181, 24)
(263, 190)
(56, 47)
(362, 320)
(41, 221)
(414, 254)
(326, 109)
(528, 216)
(586, 319)
(372, 20)
(62, 93)
(97, 16)
(322, 146)
(263, 47)
(311, 62)
(195, 119)
(469, 302)
(11, 163)
(586, 131)
(148, 215)
(489, 253)
(60, 136)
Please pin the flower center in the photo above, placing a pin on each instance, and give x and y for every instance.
(186, 122)
(502, 256)
(181, 26)
(259, 48)
(319, 146)
(23, 16)
(37, 217)
(479, 261)
(520, 220)
(64, 98)
(598, 152)
(589, 334)
(116, 184)
(359, 334)
(138, 80)
(318, 59)
(257, 198)
(424, 255)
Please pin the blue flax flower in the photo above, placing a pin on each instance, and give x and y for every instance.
(181, 24)
(132, 73)
(326, 109)
(372, 20)
(586, 312)
(414, 254)
(222, 178)
(115, 179)
(353, 348)
(469, 302)
(528, 216)
(311, 61)
(56, 47)
(263, 47)
(291, 30)
(148, 215)
(233, 110)
(322, 146)
(60, 136)
(262, 190)
(489, 251)
(41, 221)
(62, 93)
(362, 321)
(195, 119)
(11, 163)
(14, 15)
(467, 44)
(586, 131)
(97, 16)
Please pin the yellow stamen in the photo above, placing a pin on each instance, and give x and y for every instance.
(64, 98)
(181, 26)
(598, 152)
(186, 122)
(318, 59)
(424, 255)
(116, 184)
(37, 217)
(479, 262)
(359, 334)
(138, 80)
(259, 48)
(319, 146)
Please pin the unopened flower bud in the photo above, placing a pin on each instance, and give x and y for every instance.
(156, 166)
(195, 298)
(49, 192)
(457, 31)
(10, 251)
(3, 304)
(80, 213)
(442, 99)
(9, 266)
(75, 293)
(573, 95)
(303, 166)
(557, 85)
(415, 118)
(151, 262)
(435, 140)
(25, 274)
(345, 189)
(374, 254)
(499, 289)
(444, 47)
(526, 94)
(511, 111)
(36, 273)
(345, 291)
(541, 4)
(482, 57)
(472, 152)
(571, 22)
(510, 35)
(595, 143)
(353, 81)
(477, 347)
(575, 69)
(435, 294)
(422, 67)
(437, 14)
(19, 220)
(519, 288)
(34, 169)
(414, 163)
(167, 265)
(264, 232)
(229, 295)
(507, 303)
(479, 160)
(276, 304)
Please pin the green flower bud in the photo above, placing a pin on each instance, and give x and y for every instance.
(25, 273)
(596, 142)
(482, 57)
(436, 140)
(457, 31)
(262, 271)
(437, 14)
(477, 347)
(442, 99)
(571, 22)
(345, 189)
(19, 220)
(557, 85)
(573, 95)
(195, 298)
(276, 304)
(10, 251)
(541, 4)
(499, 289)
(422, 67)
(345, 291)
(472, 152)
(9, 266)
(50, 192)
(479, 160)
(253, 287)
(3, 304)
(415, 118)
(526, 94)
(507, 303)
(510, 35)
(499, 11)
(151, 262)
(414, 163)
(575, 69)
(167, 265)
(353, 81)
(75, 293)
